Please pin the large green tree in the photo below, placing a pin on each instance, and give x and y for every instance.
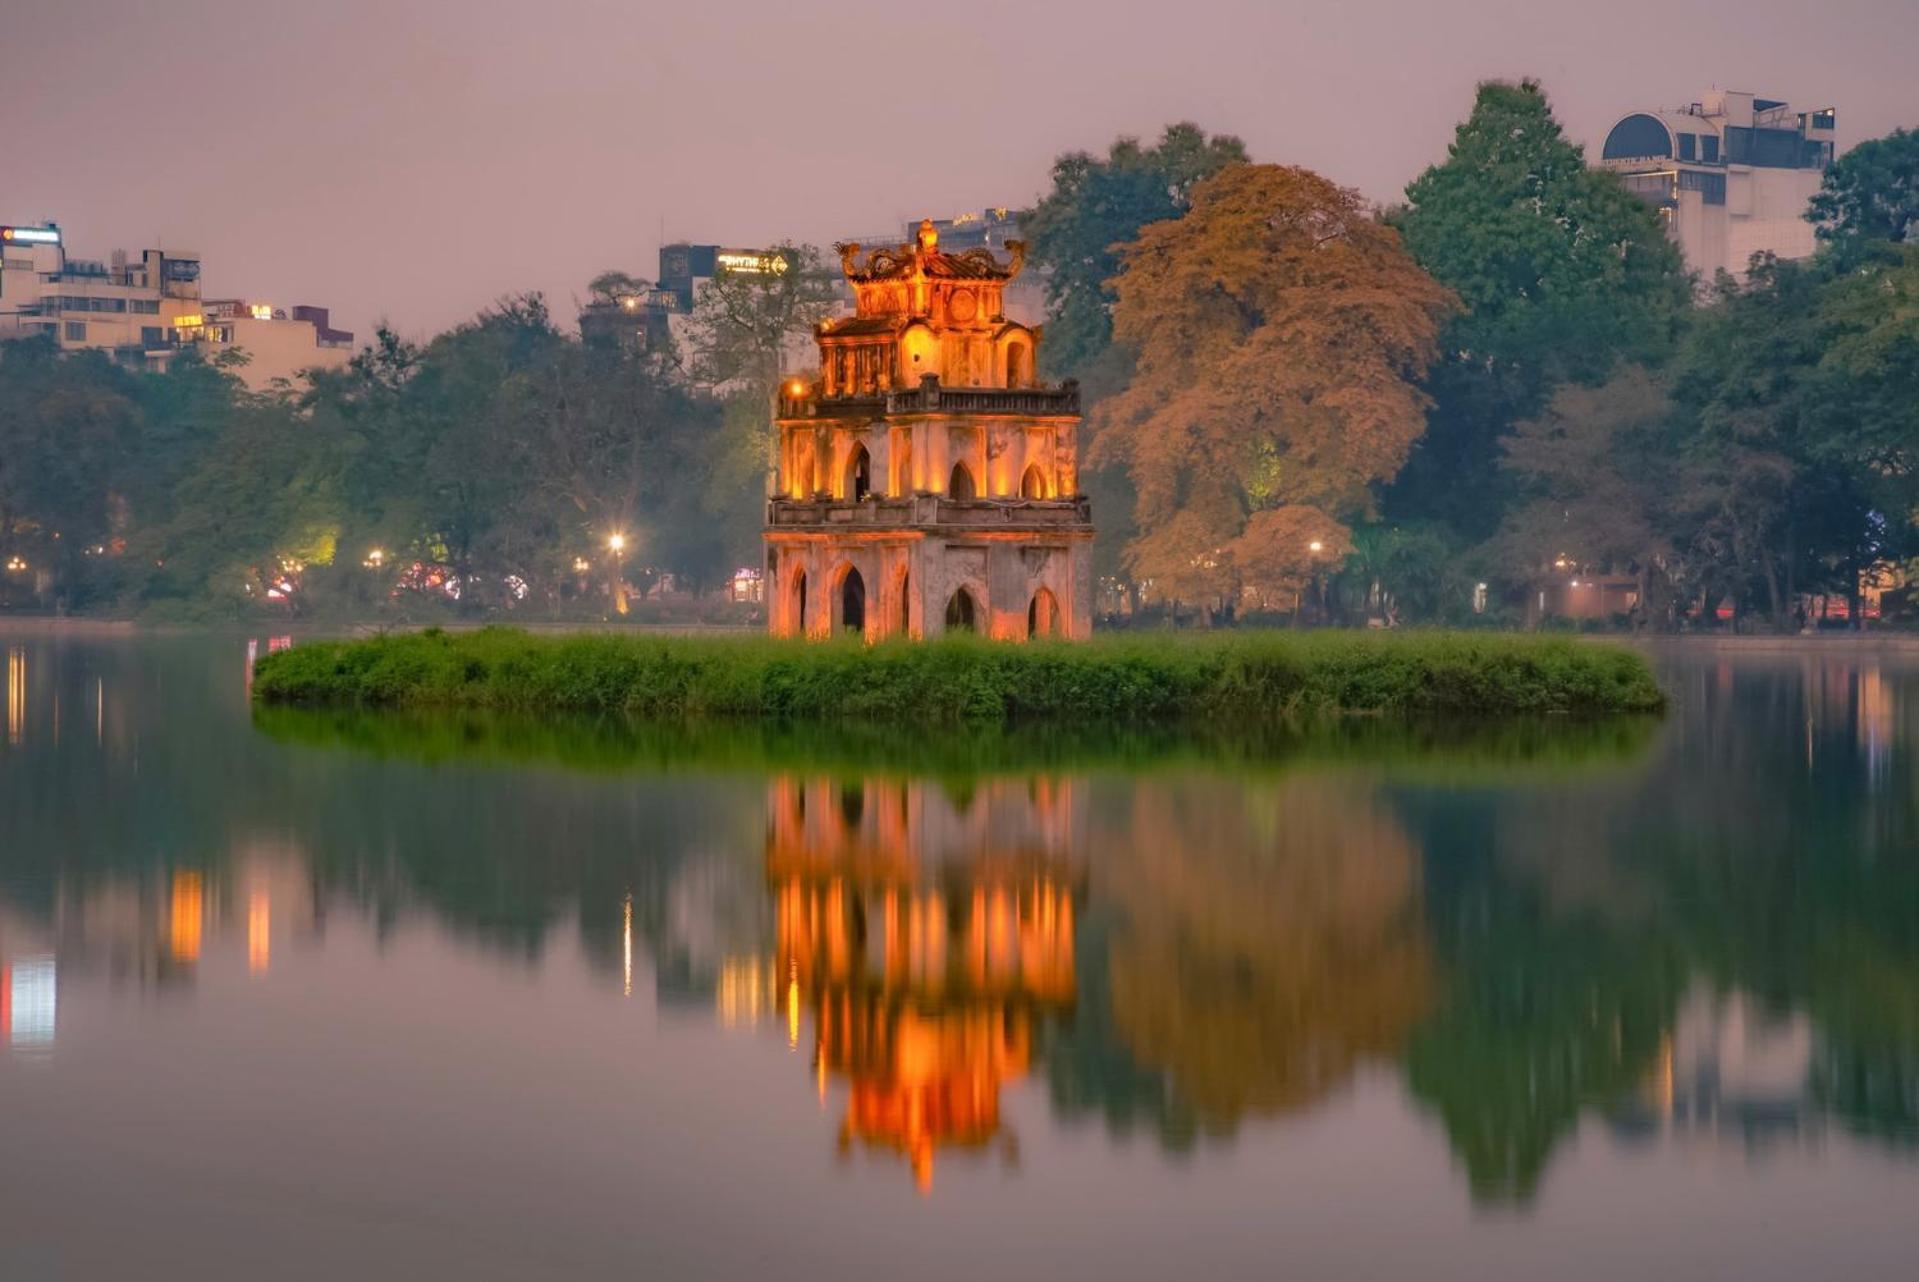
(1097, 205)
(1871, 196)
(1561, 272)
(66, 425)
(1768, 429)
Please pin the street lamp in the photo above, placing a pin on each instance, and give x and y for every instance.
(616, 544)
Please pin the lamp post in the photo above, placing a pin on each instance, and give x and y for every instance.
(616, 547)
(1313, 550)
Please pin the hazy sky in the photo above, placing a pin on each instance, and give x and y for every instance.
(415, 159)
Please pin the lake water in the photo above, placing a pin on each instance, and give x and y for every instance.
(325, 996)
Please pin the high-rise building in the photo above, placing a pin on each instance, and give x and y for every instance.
(143, 311)
(1731, 175)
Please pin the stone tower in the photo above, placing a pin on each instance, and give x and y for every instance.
(927, 482)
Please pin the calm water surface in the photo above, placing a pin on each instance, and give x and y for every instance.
(329, 996)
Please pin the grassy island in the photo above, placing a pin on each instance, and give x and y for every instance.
(1237, 676)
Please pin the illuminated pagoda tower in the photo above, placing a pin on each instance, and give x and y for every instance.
(927, 481)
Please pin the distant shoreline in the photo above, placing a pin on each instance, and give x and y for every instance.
(336, 629)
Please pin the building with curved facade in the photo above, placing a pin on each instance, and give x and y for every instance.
(1730, 175)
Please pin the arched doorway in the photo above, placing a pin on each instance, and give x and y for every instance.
(903, 619)
(859, 474)
(853, 604)
(961, 616)
(961, 486)
(799, 603)
(1042, 615)
(1032, 484)
(1018, 368)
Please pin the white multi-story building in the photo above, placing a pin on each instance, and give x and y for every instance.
(122, 306)
(1731, 175)
(143, 311)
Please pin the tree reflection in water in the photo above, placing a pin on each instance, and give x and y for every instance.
(1269, 941)
(1709, 938)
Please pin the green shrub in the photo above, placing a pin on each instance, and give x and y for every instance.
(1236, 676)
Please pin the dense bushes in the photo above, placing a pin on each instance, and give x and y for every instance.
(1248, 675)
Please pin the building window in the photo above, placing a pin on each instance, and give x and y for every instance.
(76, 331)
(1688, 147)
(147, 306)
(1709, 149)
(1711, 187)
(152, 335)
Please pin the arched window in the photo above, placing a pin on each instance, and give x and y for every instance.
(853, 604)
(799, 604)
(859, 475)
(1042, 616)
(961, 485)
(1018, 366)
(904, 619)
(1032, 485)
(960, 614)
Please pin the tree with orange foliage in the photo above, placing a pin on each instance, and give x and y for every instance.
(1279, 330)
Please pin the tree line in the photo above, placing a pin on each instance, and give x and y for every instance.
(503, 465)
(1298, 404)
(1428, 411)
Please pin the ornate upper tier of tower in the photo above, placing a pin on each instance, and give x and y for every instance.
(921, 311)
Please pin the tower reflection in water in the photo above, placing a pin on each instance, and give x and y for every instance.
(925, 935)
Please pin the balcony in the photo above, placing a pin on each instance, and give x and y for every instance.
(932, 398)
(923, 511)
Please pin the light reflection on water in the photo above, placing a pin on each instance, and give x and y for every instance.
(1328, 1003)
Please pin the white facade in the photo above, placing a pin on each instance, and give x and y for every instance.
(123, 306)
(142, 311)
(1731, 175)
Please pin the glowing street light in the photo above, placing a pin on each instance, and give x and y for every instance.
(616, 543)
(1315, 547)
(374, 559)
